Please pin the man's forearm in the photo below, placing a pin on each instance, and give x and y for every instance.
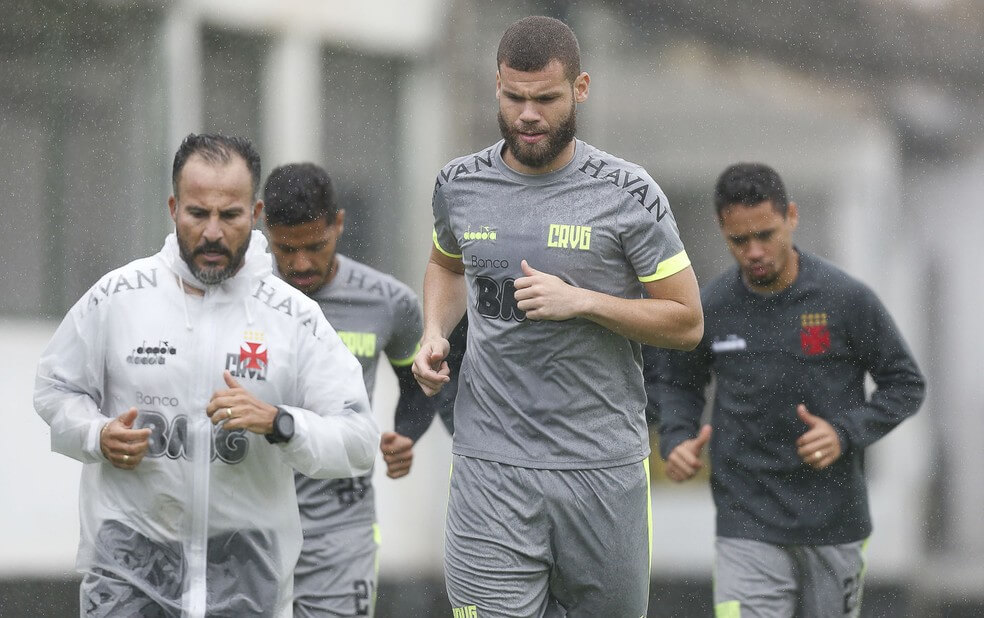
(656, 322)
(414, 410)
(680, 410)
(671, 317)
(444, 298)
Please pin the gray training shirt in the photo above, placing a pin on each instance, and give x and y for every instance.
(372, 313)
(544, 394)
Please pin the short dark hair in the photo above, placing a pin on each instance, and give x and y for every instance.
(299, 193)
(749, 184)
(532, 42)
(216, 148)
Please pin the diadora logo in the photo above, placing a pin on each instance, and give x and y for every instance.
(484, 233)
(251, 361)
(151, 355)
(359, 344)
(563, 236)
(814, 333)
(165, 401)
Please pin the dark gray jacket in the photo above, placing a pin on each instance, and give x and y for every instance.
(811, 343)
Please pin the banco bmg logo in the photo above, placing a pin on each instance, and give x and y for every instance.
(169, 438)
(497, 263)
(158, 401)
(496, 300)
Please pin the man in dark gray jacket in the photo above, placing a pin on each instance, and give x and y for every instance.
(789, 339)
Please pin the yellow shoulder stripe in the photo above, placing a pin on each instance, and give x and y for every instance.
(667, 267)
(728, 609)
(441, 249)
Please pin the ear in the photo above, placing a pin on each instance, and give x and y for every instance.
(581, 83)
(340, 220)
(172, 205)
(792, 215)
(257, 210)
(498, 85)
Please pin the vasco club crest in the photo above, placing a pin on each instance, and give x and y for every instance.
(814, 333)
(251, 361)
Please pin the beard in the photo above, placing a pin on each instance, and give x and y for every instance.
(214, 275)
(320, 277)
(763, 281)
(539, 155)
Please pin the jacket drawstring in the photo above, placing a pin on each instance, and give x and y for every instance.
(249, 314)
(184, 301)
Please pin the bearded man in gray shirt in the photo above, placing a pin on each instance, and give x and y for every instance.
(789, 339)
(566, 259)
(373, 314)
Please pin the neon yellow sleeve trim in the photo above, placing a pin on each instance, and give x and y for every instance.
(667, 267)
(403, 362)
(441, 249)
(728, 609)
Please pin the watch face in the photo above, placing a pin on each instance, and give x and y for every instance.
(285, 425)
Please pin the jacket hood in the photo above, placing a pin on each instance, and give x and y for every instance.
(257, 264)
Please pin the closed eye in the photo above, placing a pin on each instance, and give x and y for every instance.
(763, 236)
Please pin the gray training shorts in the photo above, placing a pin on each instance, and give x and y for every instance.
(336, 573)
(753, 579)
(527, 543)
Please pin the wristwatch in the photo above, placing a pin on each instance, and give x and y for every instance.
(283, 427)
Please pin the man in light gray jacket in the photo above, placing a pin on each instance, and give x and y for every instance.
(192, 384)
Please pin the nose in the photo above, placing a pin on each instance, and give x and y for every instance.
(754, 250)
(530, 113)
(212, 231)
(301, 262)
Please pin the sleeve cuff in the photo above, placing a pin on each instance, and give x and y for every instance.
(92, 446)
(405, 362)
(668, 443)
(668, 267)
(456, 256)
(843, 436)
(321, 456)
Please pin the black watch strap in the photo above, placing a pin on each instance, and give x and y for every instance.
(283, 427)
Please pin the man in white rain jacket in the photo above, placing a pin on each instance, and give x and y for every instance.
(192, 384)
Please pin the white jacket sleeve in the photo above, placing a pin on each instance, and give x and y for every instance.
(69, 382)
(335, 433)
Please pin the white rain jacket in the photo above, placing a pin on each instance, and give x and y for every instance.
(208, 521)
